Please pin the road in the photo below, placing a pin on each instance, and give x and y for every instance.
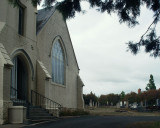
(95, 122)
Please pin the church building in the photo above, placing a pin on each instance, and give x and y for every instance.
(37, 60)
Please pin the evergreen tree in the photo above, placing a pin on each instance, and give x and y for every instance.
(151, 84)
(89, 97)
(122, 95)
(127, 11)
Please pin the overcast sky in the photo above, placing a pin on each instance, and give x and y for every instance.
(99, 41)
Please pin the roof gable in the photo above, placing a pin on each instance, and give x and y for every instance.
(43, 16)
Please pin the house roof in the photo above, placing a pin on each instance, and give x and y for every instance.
(43, 16)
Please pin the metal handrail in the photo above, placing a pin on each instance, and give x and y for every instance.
(17, 101)
(46, 103)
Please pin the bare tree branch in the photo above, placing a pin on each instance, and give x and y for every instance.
(154, 22)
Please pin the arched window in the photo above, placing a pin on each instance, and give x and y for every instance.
(57, 63)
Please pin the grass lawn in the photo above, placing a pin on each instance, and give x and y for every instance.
(104, 111)
(153, 124)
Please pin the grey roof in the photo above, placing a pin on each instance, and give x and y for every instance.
(43, 16)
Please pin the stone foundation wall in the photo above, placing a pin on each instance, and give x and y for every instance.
(1, 112)
(4, 105)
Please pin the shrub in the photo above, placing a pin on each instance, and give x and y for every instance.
(70, 112)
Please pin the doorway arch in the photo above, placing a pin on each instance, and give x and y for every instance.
(22, 74)
(19, 74)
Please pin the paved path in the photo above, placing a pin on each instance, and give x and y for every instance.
(12, 126)
(95, 122)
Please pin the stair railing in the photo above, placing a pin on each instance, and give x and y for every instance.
(19, 99)
(39, 100)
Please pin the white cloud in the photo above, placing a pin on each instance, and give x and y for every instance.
(99, 43)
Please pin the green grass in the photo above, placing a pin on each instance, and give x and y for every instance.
(116, 111)
(151, 124)
(69, 112)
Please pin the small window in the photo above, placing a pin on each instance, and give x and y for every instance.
(21, 21)
(57, 64)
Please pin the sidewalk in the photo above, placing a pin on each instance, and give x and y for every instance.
(23, 125)
(12, 126)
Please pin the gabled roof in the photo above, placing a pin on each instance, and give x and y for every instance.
(43, 16)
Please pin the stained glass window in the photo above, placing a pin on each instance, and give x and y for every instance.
(57, 64)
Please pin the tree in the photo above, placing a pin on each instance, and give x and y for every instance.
(112, 99)
(103, 100)
(127, 11)
(131, 97)
(122, 95)
(89, 97)
(151, 97)
(151, 84)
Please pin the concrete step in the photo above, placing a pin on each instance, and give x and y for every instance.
(31, 106)
(38, 110)
(41, 117)
(43, 120)
(40, 114)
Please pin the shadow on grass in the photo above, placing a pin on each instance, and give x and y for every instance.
(151, 124)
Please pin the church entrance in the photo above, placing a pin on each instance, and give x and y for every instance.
(19, 88)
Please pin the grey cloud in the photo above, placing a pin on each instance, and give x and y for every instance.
(99, 42)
